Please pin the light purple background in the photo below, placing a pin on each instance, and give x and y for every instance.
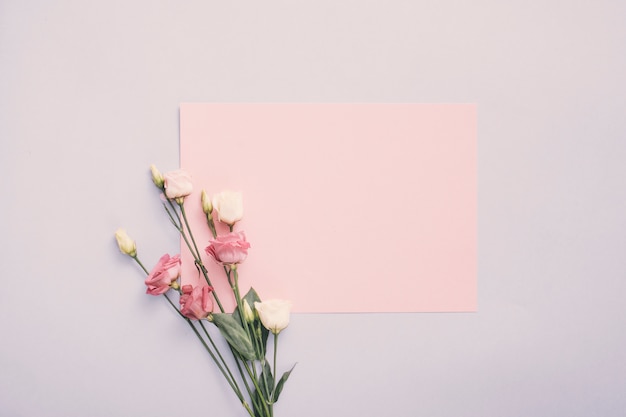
(89, 95)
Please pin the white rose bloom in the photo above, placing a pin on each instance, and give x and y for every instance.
(177, 184)
(229, 206)
(274, 314)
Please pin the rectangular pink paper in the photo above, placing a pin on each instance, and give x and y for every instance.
(348, 207)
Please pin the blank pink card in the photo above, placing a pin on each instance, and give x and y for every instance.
(348, 207)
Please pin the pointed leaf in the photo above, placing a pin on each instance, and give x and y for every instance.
(266, 381)
(234, 334)
(257, 399)
(253, 297)
(264, 335)
(281, 383)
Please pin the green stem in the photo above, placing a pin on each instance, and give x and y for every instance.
(197, 257)
(192, 249)
(267, 385)
(258, 400)
(228, 379)
(235, 288)
(226, 373)
(234, 282)
(208, 335)
(275, 375)
(211, 223)
(256, 339)
(258, 389)
(140, 264)
(182, 210)
(174, 219)
(179, 226)
(241, 373)
(174, 306)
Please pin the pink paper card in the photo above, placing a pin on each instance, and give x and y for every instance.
(348, 207)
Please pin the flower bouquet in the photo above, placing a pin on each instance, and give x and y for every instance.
(247, 329)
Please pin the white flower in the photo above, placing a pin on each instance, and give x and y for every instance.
(126, 244)
(229, 206)
(177, 184)
(274, 314)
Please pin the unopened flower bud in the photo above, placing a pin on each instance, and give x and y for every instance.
(157, 178)
(248, 314)
(207, 206)
(126, 244)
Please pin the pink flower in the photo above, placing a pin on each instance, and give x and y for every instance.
(195, 302)
(229, 249)
(166, 271)
(177, 183)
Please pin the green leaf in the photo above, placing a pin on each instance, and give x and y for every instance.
(264, 335)
(234, 334)
(251, 297)
(237, 316)
(266, 381)
(256, 400)
(281, 383)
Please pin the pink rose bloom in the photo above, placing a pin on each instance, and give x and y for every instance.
(196, 302)
(177, 184)
(229, 249)
(166, 271)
